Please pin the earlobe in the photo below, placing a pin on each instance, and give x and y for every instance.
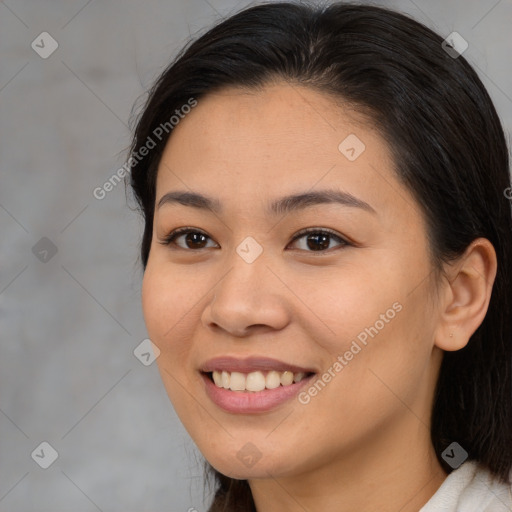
(468, 292)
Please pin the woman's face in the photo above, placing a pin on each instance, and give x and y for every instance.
(354, 307)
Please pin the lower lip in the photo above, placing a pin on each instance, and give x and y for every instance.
(247, 402)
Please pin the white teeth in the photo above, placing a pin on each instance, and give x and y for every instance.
(273, 380)
(237, 381)
(255, 381)
(286, 378)
(225, 380)
(217, 378)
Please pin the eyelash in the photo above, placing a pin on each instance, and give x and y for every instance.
(173, 235)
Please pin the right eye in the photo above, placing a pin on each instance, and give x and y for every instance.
(193, 239)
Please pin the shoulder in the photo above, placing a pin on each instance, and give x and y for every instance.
(471, 488)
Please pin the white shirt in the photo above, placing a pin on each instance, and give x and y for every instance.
(471, 488)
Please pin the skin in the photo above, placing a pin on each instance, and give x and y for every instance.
(363, 442)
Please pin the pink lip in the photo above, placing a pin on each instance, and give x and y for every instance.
(246, 402)
(251, 364)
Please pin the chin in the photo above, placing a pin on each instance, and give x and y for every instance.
(241, 466)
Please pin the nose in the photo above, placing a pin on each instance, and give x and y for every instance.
(247, 299)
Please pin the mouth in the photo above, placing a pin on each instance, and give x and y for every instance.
(254, 384)
(255, 381)
(247, 393)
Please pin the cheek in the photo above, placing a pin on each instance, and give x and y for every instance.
(154, 299)
(168, 309)
(378, 332)
(170, 316)
(351, 305)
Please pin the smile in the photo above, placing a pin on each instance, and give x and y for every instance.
(254, 381)
(243, 401)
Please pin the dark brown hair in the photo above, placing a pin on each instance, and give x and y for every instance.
(449, 149)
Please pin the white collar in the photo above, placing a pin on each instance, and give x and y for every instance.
(471, 488)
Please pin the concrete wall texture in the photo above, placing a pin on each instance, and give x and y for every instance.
(70, 313)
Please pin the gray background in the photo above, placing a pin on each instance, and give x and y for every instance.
(69, 326)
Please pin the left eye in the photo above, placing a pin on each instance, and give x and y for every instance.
(316, 240)
(319, 240)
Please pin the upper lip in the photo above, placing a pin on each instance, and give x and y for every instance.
(251, 364)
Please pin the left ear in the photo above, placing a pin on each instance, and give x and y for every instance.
(466, 295)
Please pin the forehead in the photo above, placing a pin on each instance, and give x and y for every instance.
(255, 144)
(281, 117)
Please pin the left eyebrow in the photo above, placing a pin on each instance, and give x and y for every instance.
(280, 206)
(295, 202)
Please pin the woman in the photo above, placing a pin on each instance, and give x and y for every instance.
(327, 251)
